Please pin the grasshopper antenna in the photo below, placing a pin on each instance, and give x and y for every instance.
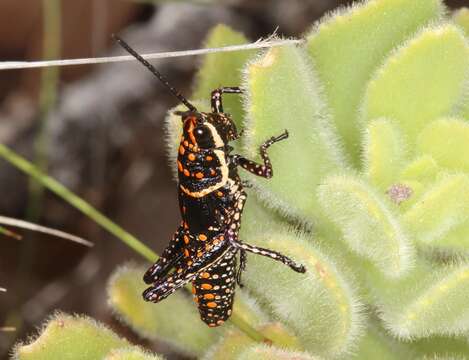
(154, 72)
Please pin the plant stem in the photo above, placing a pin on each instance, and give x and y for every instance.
(246, 328)
(80, 204)
(51, 49)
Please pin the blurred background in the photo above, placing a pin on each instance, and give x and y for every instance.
(98, 130)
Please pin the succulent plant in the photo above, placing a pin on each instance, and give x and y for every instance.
(370, 192)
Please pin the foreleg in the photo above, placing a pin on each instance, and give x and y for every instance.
(216, 97)
(264, 170)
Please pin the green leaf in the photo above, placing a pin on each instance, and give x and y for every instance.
(264, 352)
(248, 309)
(67, 337)
(367, 223)
(432, 300)
(229, 346)
(422, 169)
(442, 207)
(421, 81)
(452, 347)
(233, 341)
(175, 320)
(223, 69)
(257, 218)
(455, 240)
(446, 140)
(384, 153)
(461, 18)
(283, 94)
(377, 344)
(349, 45)
(319, 306)
(130, 353)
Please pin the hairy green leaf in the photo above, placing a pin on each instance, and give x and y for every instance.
(377, 344)
(349, 45)
(439, 209)
(67, 337)
(283, 94)
(384, 153)
(461, 18)
(431, 300)
(439, 346)
(367, 223)
(233, 341)
(320, 306)
(446, 140)
(130, 353)
(422, 169)
(182, 328)
(264, 352)
(433, 67)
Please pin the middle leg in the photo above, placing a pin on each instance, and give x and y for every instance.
(270, 254)
(242, 267)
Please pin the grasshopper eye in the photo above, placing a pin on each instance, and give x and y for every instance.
(203, 136)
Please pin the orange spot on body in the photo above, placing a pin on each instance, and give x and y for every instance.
(186, 239)
(199, 175)
(186, 172)
(213, 172)
(206, 286)
(199, 254)
(209, 296)
(181, 150)
(180, 168)
(205, 275)
(186, 253)
(186, 143)
(219, 193)
(202, 237)
(192, 137)
(191, 157)
(212, 325)
(209, 158)
(212, 304)
(194, 290)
